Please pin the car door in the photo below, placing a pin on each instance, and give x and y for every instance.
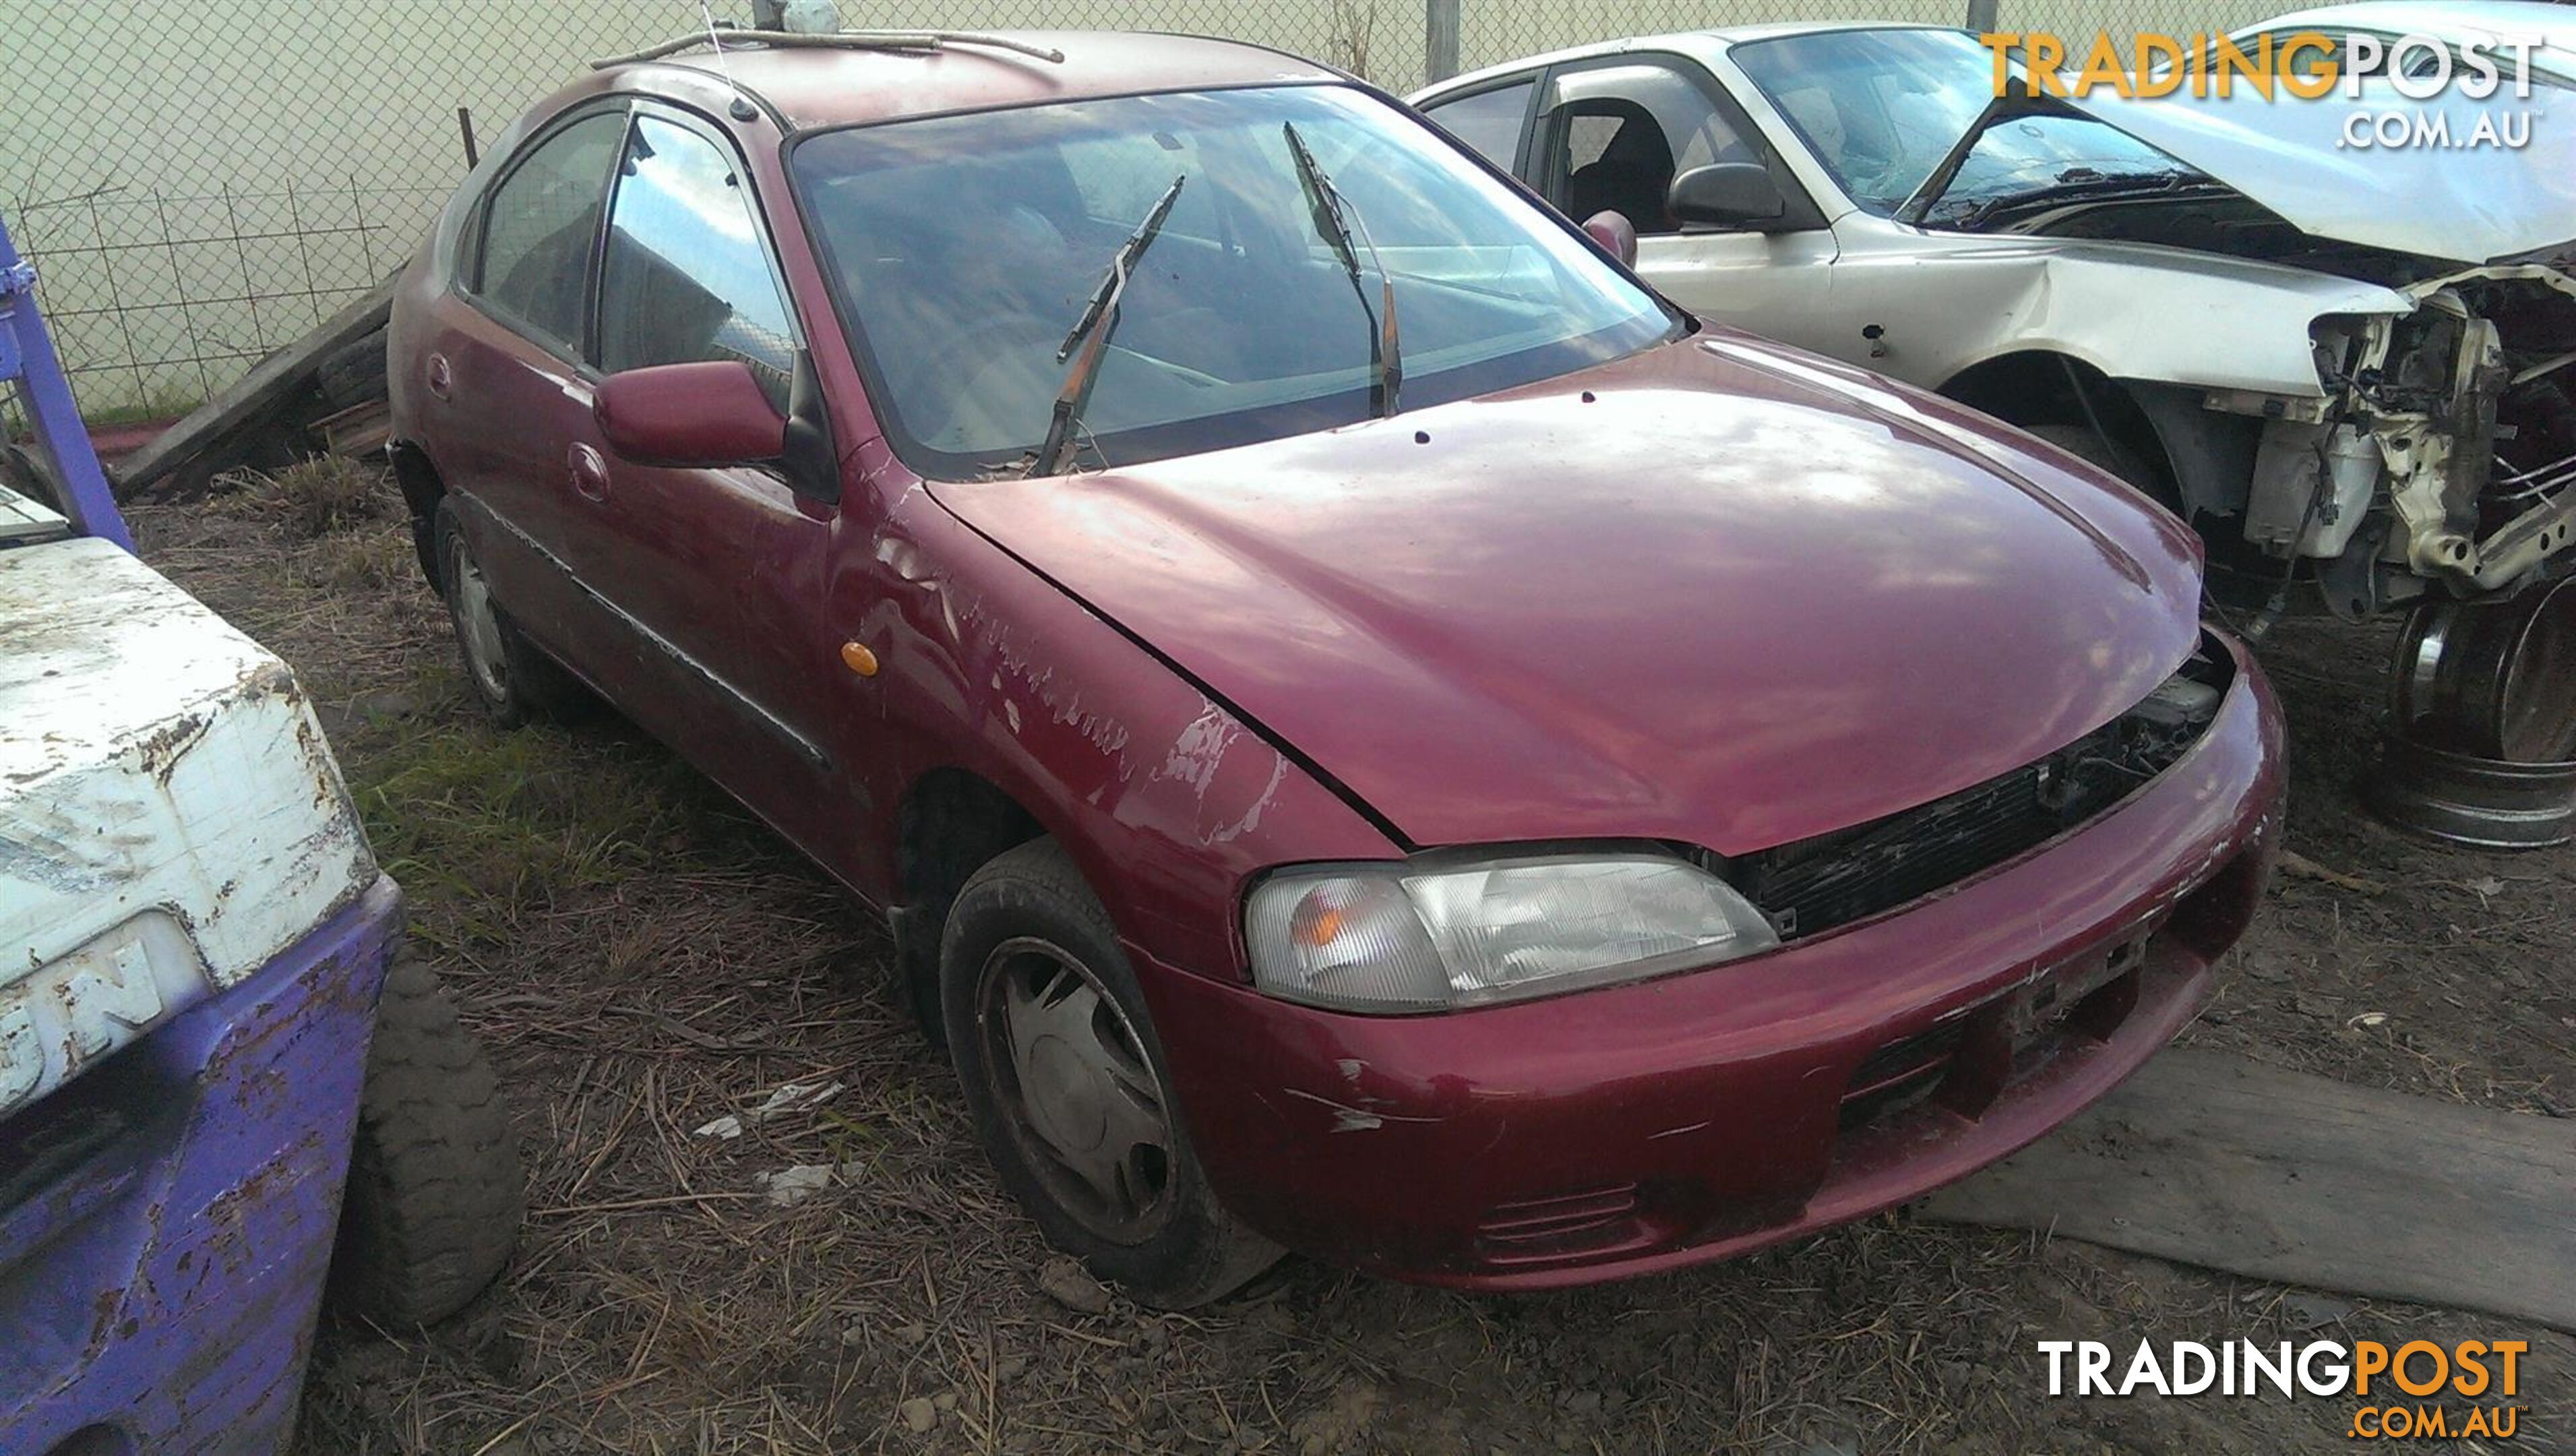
(1612, 133)
(718, 574)
(506, 344)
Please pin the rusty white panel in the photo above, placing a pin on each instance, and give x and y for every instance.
(170, 817)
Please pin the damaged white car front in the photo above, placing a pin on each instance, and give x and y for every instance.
(2435, 451)
(2440, 453)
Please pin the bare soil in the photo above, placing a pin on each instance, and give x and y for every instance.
(642, 957)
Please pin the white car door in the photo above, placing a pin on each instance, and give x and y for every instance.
(1612, 133)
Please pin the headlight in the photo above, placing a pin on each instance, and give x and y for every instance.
(1417, 937)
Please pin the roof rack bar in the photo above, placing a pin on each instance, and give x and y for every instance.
(877, 40)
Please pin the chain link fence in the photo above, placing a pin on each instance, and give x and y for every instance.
(202, 181)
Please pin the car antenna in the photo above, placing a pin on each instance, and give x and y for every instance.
(742, 109)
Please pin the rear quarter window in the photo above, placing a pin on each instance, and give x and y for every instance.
(1489, 121)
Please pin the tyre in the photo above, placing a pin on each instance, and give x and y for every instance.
(1069, 1087)
(434, 1197)
(512, 677)
(354, 373)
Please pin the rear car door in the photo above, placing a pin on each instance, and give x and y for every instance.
(1612, 133)
(718, 573)
(507, 344)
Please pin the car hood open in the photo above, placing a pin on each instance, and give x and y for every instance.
(2462, 204)
(1719, 592)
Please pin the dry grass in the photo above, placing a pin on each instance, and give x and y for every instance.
(642, 958)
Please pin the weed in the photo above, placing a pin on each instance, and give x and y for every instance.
(317, 496)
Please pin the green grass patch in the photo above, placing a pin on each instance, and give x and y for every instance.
(491, 825)
(159, 407)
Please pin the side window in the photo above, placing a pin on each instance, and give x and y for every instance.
(539, 224)
(1489, 121)
(1588, 137)
(1620, 134)
(684, 276)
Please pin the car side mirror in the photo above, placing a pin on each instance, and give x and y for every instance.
(712, 412)
(1613, 231)
(1728, 194)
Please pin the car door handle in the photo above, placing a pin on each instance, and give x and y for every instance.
(589, 472)
(442, 379)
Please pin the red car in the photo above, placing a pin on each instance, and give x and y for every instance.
(1375, 733)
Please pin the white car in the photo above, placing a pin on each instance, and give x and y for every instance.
(2548, 30)
(2343, 364)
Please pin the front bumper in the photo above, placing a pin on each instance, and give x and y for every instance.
(1617, 1132)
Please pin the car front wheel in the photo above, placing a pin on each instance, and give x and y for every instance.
(1066, 1080)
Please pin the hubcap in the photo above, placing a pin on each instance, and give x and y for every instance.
(476, 626)
(1071, 1077)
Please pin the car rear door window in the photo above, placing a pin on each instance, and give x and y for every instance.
(684, 276)
(540, 224)
(1623, 133)
(1489, 121)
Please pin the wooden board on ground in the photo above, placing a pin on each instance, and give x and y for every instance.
(361, 429)
(2207, 1158)
(253, 401)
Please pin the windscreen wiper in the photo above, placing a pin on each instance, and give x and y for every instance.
(2018, 99)
(1099, 320)
(2103, 189)
(1334, 220)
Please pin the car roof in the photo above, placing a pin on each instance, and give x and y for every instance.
(2536, 19)
(2549, 28)
(824, 86)
(1716, 38)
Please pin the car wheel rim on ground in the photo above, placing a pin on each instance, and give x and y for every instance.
(1075, 1086)
(477, 626)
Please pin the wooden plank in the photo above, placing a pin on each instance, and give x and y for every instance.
(361, 429)
(2207, 1158)
(253, 399)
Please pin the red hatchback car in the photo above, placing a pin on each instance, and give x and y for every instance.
(1375, 733)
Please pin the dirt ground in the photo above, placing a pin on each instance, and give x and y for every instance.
(642, 957)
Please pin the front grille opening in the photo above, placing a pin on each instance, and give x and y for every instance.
(1899, 1074)
(1814, 885)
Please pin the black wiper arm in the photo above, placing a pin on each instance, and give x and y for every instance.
(1334, 221)
(2018, 99)
(2159, 184)
(1099, 320)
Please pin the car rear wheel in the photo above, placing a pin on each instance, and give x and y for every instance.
(515, 681)
(1066, 1080)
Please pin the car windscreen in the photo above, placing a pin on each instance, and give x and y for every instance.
(963, 249)
(1879, 109)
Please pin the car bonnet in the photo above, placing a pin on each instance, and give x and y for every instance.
(1719, 592)
(2460, 203)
